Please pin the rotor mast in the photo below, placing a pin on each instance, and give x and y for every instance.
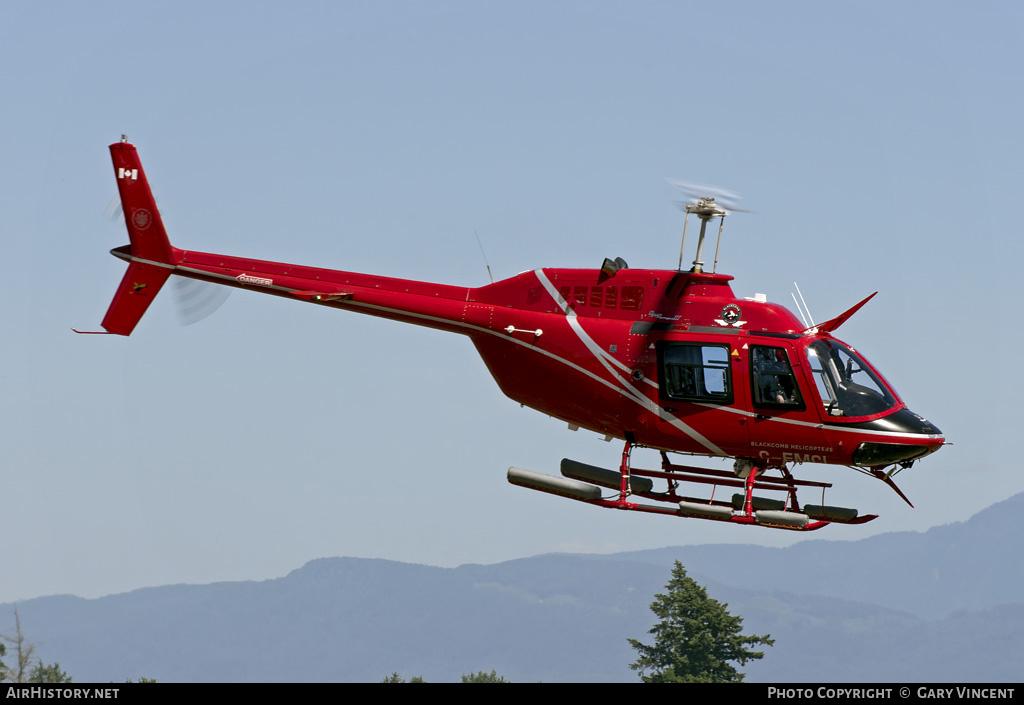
(706, 202)
(705, 208)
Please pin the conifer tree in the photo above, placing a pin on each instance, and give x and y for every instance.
(483, 677)
(696, 639)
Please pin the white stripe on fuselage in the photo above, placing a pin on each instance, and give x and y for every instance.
(820, 425)
(607, 361)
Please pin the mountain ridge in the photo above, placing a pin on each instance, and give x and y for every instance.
(933, 606)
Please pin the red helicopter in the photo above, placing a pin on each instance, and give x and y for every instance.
(665, 359)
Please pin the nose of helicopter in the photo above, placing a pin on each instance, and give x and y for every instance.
(905, 421)
(922, 438)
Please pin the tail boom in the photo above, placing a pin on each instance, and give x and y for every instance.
(151, 260)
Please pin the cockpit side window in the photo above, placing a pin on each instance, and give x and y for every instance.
(695, 372)
(846, 383)
(773, 384)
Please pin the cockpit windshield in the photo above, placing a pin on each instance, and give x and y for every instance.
(846, 384)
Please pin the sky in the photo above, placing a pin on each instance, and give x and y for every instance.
(877, 144)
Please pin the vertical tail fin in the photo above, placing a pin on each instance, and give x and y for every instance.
(145, 226)
(150, 255)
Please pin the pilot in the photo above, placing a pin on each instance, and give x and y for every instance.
(773, 371)
(772, 390)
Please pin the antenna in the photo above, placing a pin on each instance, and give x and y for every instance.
(485, 255)
(805, 307)
(706, 202)
(686, 219)
(799, 311)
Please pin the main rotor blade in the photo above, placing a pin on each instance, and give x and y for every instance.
(693, 192)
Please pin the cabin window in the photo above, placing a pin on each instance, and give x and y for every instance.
(611, 295)
(632, 298)
(772, 382)
(580, 295)
(596, 296)
(695, 372)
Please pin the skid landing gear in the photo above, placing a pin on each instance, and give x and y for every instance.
(583, 483)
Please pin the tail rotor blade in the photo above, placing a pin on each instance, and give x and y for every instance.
(197, 299)
(113, 212)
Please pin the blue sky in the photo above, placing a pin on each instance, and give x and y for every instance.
(878, 144)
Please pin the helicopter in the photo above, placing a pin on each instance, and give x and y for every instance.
(669, 360)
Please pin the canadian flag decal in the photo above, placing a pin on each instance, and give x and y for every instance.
(132, 174)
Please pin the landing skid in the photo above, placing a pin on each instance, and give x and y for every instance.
(584, 482)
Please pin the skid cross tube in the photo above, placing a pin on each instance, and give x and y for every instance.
(625, 470)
